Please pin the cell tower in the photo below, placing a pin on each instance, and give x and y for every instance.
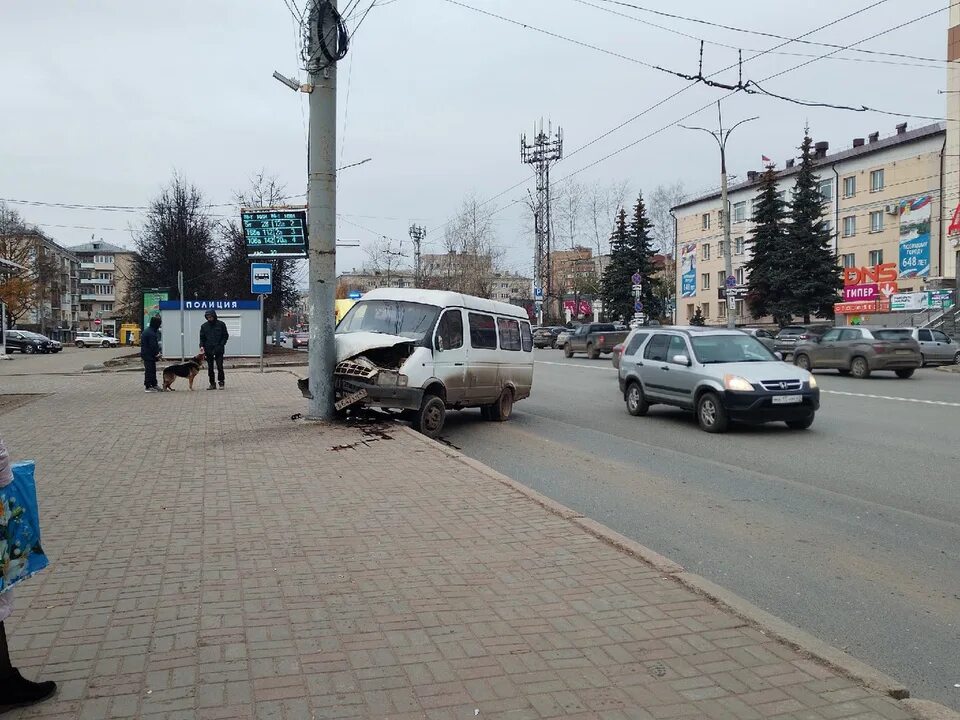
(417, 234)
(546, 148)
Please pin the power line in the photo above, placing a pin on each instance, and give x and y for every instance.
(733, 28)
(680, 33)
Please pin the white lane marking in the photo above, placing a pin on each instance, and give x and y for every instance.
(589, 367)
(941, 403)
(891, 397)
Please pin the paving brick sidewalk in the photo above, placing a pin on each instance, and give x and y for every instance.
(212, 558)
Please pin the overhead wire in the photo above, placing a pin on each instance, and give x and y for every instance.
(761, 33)
(716, 43)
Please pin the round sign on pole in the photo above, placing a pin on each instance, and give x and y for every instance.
(97, 321)
(636, 278)
(638, 306)
(731, 281)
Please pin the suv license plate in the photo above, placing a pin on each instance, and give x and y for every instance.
(787, 399)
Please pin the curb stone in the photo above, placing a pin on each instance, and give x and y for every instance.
(765, 621)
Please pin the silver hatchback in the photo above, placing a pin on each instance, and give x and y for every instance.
(721, 375)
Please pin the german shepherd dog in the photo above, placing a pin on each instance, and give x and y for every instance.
(188, 369)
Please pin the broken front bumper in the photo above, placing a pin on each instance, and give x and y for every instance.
(385, 388)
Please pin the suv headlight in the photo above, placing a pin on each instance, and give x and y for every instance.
(735, 382)
(812, 381)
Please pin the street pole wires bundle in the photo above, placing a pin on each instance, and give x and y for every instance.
(325, 33)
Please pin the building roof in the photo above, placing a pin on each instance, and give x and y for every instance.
(908, 136)
(98, 246)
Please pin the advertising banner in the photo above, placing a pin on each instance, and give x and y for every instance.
(915, 237)
(908, 301)
(688, 270)
(151, 304)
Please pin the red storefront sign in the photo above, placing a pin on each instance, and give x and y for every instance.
(862, 307)
(885, 273)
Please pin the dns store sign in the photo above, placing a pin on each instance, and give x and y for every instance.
(869, 283)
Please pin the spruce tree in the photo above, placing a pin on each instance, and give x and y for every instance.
(769, 287)
(816, 279)
(630, 252)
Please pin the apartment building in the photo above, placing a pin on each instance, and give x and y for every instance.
(882, 203)
(53, 308)
(106, 272)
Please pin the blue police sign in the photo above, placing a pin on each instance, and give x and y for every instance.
(261, 278)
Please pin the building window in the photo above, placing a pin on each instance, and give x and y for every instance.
(720, 249)
(705, 281)
(876, 221)
(828, 227)
(876, 180)
(850, 186)
(705, 252)
(722, 309)
(705, 221)
(849, 260)
(106, 307)
(876, 257)
(738, 249)
(826, 189)
(705, 308)
(850, 225)
(740, 211)
(739, 308)
(740, 276)
(721, 278)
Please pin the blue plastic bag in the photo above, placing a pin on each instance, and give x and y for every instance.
(21, 554)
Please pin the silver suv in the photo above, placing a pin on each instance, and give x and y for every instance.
(721, 375)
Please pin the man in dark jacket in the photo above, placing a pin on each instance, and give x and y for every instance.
(150, 353)
(213, 340)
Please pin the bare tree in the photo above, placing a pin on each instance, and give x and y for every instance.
(385, 256)
(472, 253)
(659, 203)
(601, 204)
(570, 201)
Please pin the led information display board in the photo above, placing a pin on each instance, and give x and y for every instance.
(275, 232)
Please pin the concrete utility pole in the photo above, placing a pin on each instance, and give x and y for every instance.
(417, 234)
(327, 45)
(721, 139)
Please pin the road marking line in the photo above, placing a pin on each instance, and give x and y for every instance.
(589, 367)
(891, 397)
(941, 403)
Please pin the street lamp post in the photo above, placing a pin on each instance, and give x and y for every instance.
(721, 137)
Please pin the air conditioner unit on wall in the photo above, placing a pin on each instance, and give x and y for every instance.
(893, 209)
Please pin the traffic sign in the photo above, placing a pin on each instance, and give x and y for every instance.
(731, 281)
(732, 303)
(636, 278)
(261, 278)
(638, 306)
(538, 293)
(97, 321)
(638, 288)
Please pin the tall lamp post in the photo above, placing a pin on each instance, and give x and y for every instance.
(721, 137)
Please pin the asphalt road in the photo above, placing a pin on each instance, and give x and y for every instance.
(849, 530)
(70, 359)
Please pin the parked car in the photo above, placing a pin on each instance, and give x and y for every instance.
(25, 342)
(765, 337)
(721, 375)
(424, 352)
(546, 337)
(301, 340)
(936, 347)
(53, 346)
(91, 338)
(789, 336)
(593, 339)
(563, 336)
(859, 351)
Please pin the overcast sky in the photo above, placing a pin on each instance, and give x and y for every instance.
(103, 100)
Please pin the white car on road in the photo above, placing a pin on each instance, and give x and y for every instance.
(87, 338)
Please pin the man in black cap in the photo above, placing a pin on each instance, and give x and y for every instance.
(213, 340)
